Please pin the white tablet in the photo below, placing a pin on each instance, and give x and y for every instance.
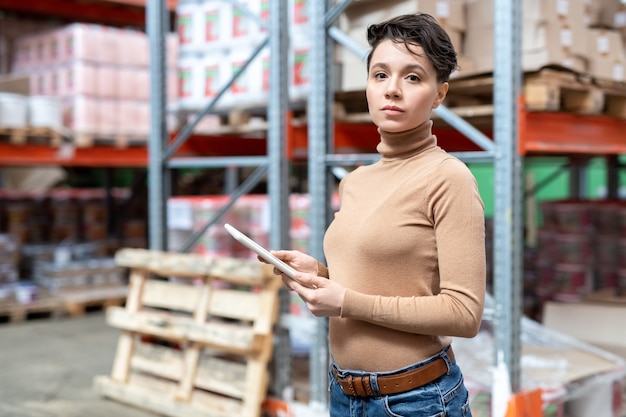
(261, 251)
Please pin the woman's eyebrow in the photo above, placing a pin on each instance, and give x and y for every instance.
(410, 67)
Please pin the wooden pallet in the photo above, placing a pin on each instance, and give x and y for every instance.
(117, 140)
(76, 302)
(24, 135)
(45, 305)
(546, 90)
(213, 319)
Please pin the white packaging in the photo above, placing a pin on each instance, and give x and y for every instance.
(299, 77)
(171, 42)
(134, 117)
(81, 114)
(247, 87)
(40, 81)
(189, 26)
(78, 78)
(172, 85)
(216, 23)
(107, 81)
(243, 28)
(80, 41)
(298, 14)
(141, 78)
(24, 54)
(109, 118)
(214, 74)
(190, 82)
(134, 48)
(45, 111)
(125, 87)
(13, 110)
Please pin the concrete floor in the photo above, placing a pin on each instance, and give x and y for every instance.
(47, 367)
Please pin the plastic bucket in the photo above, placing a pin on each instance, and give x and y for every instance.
(13, 110)
(45, 111)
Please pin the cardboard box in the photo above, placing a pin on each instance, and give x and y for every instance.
(607, 59)
(592, 322)
(450, 13)
(481, 12)
(356, 19)
(543, 43)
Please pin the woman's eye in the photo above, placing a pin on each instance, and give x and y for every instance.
(380, 75)
(413, 78)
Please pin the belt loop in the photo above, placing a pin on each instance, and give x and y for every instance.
(448, 361)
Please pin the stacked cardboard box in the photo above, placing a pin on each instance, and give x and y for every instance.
(553, 33)
(101, 73)
(580, 35)
(356, 19)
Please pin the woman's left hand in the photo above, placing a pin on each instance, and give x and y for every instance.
(322, 296)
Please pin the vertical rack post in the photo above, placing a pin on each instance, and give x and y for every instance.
(278, 177)
(319, 142)
(508, 189)
(158, 182)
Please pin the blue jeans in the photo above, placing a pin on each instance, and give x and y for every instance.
(446, 396)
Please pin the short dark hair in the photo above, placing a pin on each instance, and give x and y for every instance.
(417, 29)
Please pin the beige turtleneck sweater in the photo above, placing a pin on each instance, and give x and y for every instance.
(408, 243)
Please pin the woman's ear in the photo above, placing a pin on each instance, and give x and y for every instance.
(441, 94)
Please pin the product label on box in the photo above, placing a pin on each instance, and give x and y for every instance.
(184, 82)
(179, 215)
(238, 86)
(562, 7)
(211, 79)
(566, 36)
(240, 23)
(185, 28)
(618, 72)
(300, 72)
(443, 9)
(265, 12)
(211, 25)
(603, 44)
(299, 12)
(266, 74)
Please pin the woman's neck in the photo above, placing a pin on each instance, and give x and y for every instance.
(400, 145)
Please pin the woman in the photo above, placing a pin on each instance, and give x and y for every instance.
(406, 251)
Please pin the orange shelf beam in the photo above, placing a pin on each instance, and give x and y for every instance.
(97, 156)
(108, 12)
(566, 133)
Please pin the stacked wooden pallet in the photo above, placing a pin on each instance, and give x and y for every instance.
(197, 334)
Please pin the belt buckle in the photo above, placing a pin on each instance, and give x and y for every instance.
(357, 386)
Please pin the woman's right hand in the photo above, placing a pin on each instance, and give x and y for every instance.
(297, 260)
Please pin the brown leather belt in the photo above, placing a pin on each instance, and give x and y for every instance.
(360, 386)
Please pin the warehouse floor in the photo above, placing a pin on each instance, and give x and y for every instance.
(47, 367)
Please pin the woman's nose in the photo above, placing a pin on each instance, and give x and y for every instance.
(392, 90)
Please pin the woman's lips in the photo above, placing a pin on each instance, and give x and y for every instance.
(392, 110)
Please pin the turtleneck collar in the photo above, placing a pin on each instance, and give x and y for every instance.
(401, 145)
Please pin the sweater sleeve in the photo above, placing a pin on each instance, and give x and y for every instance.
(456, 307)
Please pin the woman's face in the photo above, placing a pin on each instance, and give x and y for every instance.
(402, 87)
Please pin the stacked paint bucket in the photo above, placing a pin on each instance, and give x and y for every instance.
(582, 248)
(566, 256)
